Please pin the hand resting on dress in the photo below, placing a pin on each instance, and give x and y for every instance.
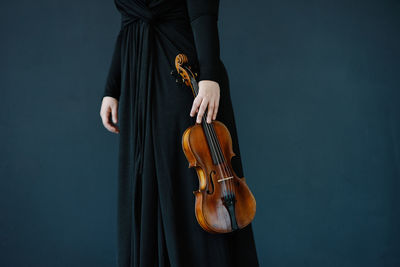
(109, 106)
(208, 97)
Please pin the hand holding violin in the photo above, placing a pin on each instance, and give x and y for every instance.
(207, 98)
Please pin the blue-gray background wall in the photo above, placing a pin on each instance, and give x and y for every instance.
(315, 87)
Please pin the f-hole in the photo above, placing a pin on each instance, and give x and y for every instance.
(210, 182)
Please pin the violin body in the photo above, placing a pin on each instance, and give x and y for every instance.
(211, 212)
(224, 203)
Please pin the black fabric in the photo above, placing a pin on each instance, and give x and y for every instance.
(203, 17)
(113, 85)
(156, 219)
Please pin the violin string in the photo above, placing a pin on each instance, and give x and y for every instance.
(222, 172)
(213, 145)
(227, 170)
(219, 154)
(222, 158)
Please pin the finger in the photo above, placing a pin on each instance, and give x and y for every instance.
(112, 128)
(210, 111)
(106, 122)
(195, 105)
(202, 108)
(115, 129)
(216, 105)
(115, 114)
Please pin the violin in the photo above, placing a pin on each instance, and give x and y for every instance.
(224, 202)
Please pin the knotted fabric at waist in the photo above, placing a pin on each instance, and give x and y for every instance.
(171, 12)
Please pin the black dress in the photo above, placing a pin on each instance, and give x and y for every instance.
(156, 219)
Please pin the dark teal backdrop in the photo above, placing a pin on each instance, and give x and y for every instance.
(316, 91)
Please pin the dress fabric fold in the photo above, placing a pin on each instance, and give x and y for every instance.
(156, 219)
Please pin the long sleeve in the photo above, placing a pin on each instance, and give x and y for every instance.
(203, 15)
(113, 83)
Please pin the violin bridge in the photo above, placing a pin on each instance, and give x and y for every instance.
(226, 178)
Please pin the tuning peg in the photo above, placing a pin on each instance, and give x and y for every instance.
(174, 73)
